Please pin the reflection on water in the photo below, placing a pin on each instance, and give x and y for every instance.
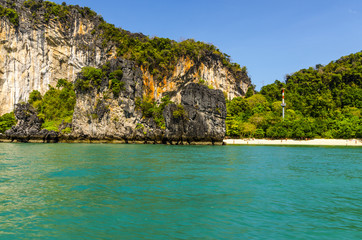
(84, 191)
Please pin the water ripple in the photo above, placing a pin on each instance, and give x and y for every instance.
(85, 191)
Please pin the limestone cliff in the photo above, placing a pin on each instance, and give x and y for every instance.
(41, 42)
(45, 48)
(36, 54)
(100, 115)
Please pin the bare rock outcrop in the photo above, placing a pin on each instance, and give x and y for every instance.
(29, 126)
(199, 118)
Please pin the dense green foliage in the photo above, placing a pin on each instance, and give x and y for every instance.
(7, 121)
(56, 106)
(34, 96)
(55, 11)
(115, 82)
(250, 91)
(11, 14)
(160, 55)
(150, 109)
(92, 78)
(324, 101)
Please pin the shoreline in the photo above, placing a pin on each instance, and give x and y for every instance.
(291, 142)
(110, 141)
(245, 141)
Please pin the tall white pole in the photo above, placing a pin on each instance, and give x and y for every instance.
(283, 103)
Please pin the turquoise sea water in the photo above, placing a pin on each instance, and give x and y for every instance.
(84, 191)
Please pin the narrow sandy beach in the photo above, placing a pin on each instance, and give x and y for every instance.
(314, 142)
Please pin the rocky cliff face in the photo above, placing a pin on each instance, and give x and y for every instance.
(210, 72)
(34, 55)
(29, 127)
(199, 116)
(42, 47)
(204, 119)
(37, 53)
(100, 115)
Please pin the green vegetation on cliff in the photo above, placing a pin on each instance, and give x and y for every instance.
(7, 121)
(110, 82)
(11, 14)
(47, 10)
(150, 109)
(92, 78)
(157, 55)
(179, 113)
(56, 107)
(160, 55)
(324, 101)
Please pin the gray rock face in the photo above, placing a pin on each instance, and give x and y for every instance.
(203, 119)
(199, 116)
(100, 115)
(29, 126)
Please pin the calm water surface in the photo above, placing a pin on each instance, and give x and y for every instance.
(83, 191)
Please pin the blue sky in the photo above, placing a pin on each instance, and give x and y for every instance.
(270, 38)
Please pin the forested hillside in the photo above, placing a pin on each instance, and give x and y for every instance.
(324, 101)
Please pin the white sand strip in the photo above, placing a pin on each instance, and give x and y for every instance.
(314, 142)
